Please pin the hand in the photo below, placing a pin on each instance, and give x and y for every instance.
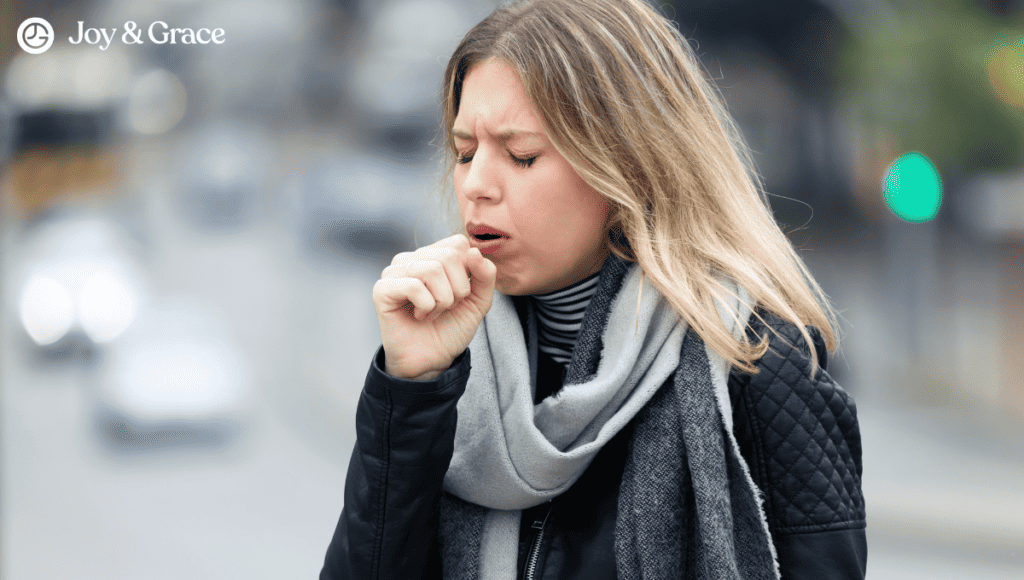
(429, 304)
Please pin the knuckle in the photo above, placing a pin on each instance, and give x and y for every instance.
(380, 290)
(456, 241)
(426, 267)
(447, 254)
(412, 267)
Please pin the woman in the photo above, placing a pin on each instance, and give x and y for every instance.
(644, 401)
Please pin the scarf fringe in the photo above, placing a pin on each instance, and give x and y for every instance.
(684, 483)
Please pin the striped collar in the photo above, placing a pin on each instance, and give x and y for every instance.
(559, 315)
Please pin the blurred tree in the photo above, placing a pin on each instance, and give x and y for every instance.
(920, 75)
(802, 35)
(774, 62)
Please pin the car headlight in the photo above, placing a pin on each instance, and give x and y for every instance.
(77, 273)
(106, 306)
(47, 310)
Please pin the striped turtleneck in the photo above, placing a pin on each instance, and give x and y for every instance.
(559, 315)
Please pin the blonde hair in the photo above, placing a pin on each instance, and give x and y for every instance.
(626, 102)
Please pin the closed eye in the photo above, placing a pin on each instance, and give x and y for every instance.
(517, 160)
(523, 162)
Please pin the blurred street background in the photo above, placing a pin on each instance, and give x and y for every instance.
(189, 234)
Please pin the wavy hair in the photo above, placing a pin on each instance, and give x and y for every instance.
(626, 102)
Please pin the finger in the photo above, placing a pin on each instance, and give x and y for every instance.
(452, 257)
(401, 258)
(454, 262)
(393, 271)
(484, 274)
(391, 294)
(457, 242)
(458, 270)
(434, 276)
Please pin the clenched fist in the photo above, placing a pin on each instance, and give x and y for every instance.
(429, 304)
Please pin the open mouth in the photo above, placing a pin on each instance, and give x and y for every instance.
(487, 237)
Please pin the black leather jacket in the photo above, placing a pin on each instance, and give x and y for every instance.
(799, 436)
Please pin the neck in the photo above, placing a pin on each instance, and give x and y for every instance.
(559, 315)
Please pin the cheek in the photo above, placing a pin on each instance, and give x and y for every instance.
(572, 222)
(588, 207)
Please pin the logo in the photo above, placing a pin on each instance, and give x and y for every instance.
(35, 35)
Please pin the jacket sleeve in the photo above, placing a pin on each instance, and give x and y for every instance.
(405, 434)
(800, 437)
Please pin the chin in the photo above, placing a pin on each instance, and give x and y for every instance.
(512, 285)
(508, 289)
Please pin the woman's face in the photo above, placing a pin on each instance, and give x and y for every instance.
(521, 202)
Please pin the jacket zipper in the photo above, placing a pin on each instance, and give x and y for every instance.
(534, 554)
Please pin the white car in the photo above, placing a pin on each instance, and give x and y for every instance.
(74, 285)
(177, 377)
(159, 371)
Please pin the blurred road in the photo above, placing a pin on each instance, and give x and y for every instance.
(945, 498)
(262, 508)
(943, 501)
(943, 474)
(261, 505)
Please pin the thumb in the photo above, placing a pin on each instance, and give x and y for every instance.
(483, 274)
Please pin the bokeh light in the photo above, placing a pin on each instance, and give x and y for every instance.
(47, 311)
(1006, 73)
(157, 102)
(107, 306)
(913, 188)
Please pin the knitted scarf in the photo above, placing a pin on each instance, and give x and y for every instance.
(684, 483)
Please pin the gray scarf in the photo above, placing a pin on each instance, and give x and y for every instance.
(684, 484)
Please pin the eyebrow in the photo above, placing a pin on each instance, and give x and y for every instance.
(503, 135)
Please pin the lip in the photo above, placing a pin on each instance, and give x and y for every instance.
(486, 247)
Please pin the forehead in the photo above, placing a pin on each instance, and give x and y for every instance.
(493, 98)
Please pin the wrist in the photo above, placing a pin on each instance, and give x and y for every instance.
(427, 376)
(412, 376)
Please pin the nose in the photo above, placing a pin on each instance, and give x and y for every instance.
(481, 180)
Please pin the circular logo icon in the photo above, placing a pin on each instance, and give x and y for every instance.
(35, 35)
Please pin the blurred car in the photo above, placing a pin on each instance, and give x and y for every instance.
(177, 378)
(223, 175)
(362, 210)
(75, 284)
(158, 372)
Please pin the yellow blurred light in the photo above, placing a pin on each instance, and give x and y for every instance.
(39, 176)
(1006, 73)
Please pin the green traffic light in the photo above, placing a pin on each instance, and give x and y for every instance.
(913, 188)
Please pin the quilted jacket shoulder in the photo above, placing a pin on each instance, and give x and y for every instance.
(798, 434)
